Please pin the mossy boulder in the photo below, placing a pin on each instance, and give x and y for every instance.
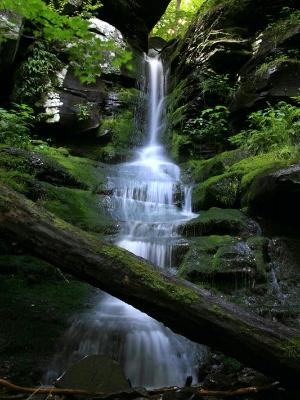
(230, 188)
(218, 191)
(85, 209)
(220, 222)
(221, 261)
(259, 245)
(73, 188)
(95, 374)
(201, 170)
(39, 165)
(276, 194)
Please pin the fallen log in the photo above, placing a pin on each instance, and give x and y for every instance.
(132, 393)
(187, 309)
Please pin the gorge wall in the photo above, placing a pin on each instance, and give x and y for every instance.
(237, 58)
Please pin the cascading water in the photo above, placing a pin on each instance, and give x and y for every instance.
(144, 202)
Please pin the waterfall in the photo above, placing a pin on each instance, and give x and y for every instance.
(144, 192)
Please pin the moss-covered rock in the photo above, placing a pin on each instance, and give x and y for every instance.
(85, 209)
(259, 246)
(230, 188)
(41, 166)
(276, 194)
(73, 188)
(220, 222)
(221, 261)
(201, 170)
(218, 191)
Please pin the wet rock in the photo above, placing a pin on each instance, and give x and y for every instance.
(265, 81)
(277, 195)
(217, 191)
(156, 43)
(220, 222)
(223, 261)
(259, 246)
(95, 373)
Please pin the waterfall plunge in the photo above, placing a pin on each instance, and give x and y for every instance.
(143, 201)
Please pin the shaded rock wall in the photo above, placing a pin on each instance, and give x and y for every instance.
(243, 55)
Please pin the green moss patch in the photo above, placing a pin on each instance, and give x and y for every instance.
(221, 261)
(81, 208)
(230, 187)
(89, 172)
(219, 221)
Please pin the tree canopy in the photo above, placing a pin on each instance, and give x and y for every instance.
(176, 18)
(71, 33)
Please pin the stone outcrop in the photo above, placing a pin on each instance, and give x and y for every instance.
(233, 55)
(277, 195)
(134, 19)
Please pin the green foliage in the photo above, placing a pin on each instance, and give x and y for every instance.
(271, 129)
(86, 9)
(119, 127)
(232, 5)
(83, 111)
(277, 29)
(212, 125)
(181, 144)
(291, 56)
(15, 126)
(89, 54)
(37, 74)
(128, 96)
(87, 51)
(177, 18)
(211, 83)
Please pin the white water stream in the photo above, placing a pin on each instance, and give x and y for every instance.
(144, 203)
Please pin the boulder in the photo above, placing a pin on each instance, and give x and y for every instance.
(223, 261)
(218, 191)
(220, 222)
(276, 195)
(94, 374)
(42, 167)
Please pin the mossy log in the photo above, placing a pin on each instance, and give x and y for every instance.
(187, 309)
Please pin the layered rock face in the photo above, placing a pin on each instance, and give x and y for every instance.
(238, 58)
(242, 55)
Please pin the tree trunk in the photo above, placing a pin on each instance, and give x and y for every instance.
(187, 309)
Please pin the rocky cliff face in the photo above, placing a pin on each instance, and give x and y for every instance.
(242, 55)
(237, 58)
